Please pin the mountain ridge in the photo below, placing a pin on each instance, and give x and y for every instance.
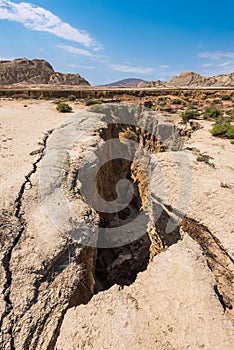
(193, 79)
(39, 71)
(126, 82)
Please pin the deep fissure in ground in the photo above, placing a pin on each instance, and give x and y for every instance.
(121, 265)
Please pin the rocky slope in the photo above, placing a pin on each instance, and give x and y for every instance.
(24, 71)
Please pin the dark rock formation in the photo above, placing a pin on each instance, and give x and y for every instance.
(36, 71)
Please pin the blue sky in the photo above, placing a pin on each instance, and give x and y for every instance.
(109, 40)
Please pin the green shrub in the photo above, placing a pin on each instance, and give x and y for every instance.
(190, 114)
(230, 131)
(216, 100)
(64, 107)
(223, 130)
(176, 102)
(71, 97)
(212, 113)
(219, 130)
(231, 113)
(232, 142)
(226, 98)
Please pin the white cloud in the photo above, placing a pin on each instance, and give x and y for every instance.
(222, 62)
(206, 65)
(164, 66)
(6, 58)
(39, 19)
(130, 69)
(226, 64)
(217, 55)
(80, 66)
(76, 50)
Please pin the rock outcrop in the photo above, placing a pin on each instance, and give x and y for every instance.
(191, 79)
(24, 71)
(156, 312)
(151, 84)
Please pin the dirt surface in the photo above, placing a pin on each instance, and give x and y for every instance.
(23, 125)
(167, 289)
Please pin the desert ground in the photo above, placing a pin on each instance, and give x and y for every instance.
(182, 298)
(23, 125)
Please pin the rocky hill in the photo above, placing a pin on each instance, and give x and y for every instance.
(192, 79)
(35, 71)
(151, 84)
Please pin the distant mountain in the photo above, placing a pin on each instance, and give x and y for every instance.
(24, 71)
(126, 82)
(191, 79)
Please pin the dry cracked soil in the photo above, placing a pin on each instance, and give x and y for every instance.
(113, 233)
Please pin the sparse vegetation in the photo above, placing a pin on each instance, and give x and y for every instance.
(223, 130)
(230, 131)
(205, 158)
(191, 106)
(231, 113)
(91, 102)
(63, 107)
(226, 98)
(72, 97)
(130, 134)
(97, 108)
(212, 113)
(162, 101)
(223, 124)
(190, 114)
(176, 102)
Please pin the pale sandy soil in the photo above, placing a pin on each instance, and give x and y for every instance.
(172, 305)
(22, 126)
